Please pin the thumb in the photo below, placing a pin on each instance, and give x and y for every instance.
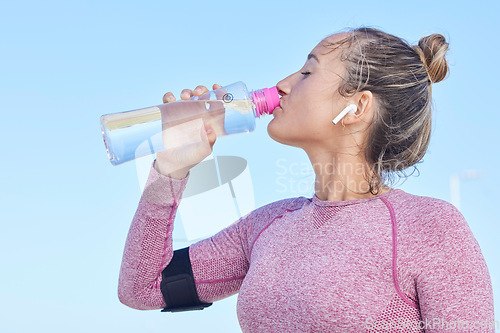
(211, 136)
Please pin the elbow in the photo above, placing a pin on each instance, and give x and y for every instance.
(135, 300)
(132, 299)
(128, 298)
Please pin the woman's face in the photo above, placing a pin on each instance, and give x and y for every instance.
(310, 100)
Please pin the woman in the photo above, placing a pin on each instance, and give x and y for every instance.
(358, 256)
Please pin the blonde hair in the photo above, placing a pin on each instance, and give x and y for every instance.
(400, 78)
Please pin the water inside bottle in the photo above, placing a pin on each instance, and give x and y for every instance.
(132, 134)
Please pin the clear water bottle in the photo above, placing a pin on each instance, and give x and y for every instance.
(229, 110)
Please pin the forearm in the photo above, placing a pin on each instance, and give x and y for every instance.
(148, 248)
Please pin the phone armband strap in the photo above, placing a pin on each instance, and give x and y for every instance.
(177, 285)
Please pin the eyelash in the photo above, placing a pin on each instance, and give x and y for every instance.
(305, 73)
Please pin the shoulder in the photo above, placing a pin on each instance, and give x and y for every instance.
(421, 202)
(275, 209)
(260, 218)
(432, 220)
(282, 205)
(426, 209)
(442, 214)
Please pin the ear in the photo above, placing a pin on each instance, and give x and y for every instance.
(366, 106)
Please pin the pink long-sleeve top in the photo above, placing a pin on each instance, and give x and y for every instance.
(396, 262)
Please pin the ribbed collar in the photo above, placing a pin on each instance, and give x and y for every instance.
(319, 202)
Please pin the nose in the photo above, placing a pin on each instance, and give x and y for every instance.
(283, 88)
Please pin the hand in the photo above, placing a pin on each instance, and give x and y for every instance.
(176, 162)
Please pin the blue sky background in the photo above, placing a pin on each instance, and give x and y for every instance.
(65, 210)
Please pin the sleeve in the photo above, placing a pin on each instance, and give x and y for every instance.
(148, 248)
(219, 263)
(454, 286)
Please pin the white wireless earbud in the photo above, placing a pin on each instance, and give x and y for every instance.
(351, 108)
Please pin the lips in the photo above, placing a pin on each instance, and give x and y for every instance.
(277, 110)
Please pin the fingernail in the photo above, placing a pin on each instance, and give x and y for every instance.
(170, 98)
(197, 90)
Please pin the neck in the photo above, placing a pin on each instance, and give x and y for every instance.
(341, 177)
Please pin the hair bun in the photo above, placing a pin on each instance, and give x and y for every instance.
(432, 50)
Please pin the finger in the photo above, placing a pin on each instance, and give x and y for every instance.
(219, 93)
(200, 90)
(211, 136)
(168, 97)
(186, 94)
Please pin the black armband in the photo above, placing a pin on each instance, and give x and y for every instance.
(177, 284)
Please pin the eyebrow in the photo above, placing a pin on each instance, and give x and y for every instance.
(311, 55)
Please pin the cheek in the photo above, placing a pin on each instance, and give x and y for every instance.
(303, 105)
(307, 112)
(312, 122)
(317, 113)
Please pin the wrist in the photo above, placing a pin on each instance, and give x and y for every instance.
(172, 172)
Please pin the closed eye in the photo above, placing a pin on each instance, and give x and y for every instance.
(305, 73)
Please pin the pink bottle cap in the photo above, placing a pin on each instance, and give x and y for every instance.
(266, 100)
(272, 98)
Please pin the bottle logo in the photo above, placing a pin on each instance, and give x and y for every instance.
(227, 98)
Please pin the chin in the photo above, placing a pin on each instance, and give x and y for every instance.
(279, 134)
(274, 132)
